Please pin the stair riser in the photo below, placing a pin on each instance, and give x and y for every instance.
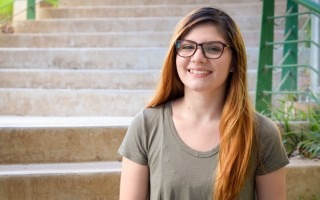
(118, 25)
(76, 79)
(99, 186)
(72, 102)
(86, 80)
(121, 80)
(83, 58)
(130, 58)
(79, 102)
(58, 144)
(87, 40)
(120, 39)
(301, 182)
(150, 11)
(146, 2)
(43, 141)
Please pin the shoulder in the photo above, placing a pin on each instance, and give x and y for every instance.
(140, 135)
(266, 128)
(147, 121)
(148, 115)
(271, 152)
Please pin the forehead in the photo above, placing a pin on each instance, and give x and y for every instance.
(204, 32)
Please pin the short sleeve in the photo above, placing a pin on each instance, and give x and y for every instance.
(272, 154)
(134, 144)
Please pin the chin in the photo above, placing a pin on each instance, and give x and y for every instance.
(198, 88)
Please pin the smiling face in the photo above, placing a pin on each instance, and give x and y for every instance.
(199, 73)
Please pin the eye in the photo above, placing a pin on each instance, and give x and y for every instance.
(213, 48)
(187, 46)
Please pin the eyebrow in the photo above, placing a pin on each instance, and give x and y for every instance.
(205, 41)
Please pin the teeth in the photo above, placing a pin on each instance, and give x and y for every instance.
(199, 72)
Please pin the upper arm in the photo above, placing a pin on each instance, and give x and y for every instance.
(272, 186)
(134, 184)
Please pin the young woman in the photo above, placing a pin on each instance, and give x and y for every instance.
(199, 137)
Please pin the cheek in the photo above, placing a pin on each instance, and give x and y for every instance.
(181, 62)
(225, 63)
(178, 61)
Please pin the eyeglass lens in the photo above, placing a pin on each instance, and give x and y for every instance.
(186, 48)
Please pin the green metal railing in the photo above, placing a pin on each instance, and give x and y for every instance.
(31, 9)
(289, 63)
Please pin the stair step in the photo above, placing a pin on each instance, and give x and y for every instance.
(147, 2)
(302, 179)
(79, 79)
(102, 180)
(112, 39)
(26, 140)
(63, 122)
(99, 58)
(150, 10)
(46, 102)
(86, 79)
(79, 181)
(83, 58)
(80, 40)
(60, 168)
(119, 24)
(107, 79)
(64, 102)
(68, 102)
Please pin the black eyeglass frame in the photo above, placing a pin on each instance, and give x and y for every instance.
(200, 45)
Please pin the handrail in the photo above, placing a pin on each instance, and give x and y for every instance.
(293, 65)
(264, 82)
(294, 14)
(289, 62)
(293, 41)
(31, 9)
(309, 4)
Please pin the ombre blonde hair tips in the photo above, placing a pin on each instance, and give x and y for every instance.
(237, 121)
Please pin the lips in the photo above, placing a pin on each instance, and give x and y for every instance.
(199, 72)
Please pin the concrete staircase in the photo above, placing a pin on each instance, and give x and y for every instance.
(118, 47)
(71, 81)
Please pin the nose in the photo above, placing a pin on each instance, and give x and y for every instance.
(198, 56)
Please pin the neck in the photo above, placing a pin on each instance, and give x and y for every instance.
(201, 106)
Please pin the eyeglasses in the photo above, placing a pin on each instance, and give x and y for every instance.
(211, 50)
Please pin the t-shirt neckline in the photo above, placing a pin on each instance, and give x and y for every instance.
(181, 143)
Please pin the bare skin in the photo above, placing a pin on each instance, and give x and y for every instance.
(199, 111)
(272, 186)
(134, 183)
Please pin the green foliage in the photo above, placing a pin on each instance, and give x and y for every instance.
(54, 3)
(310, 146)
(313, 197)
(284, 115)
(6, 10)
(304, 140)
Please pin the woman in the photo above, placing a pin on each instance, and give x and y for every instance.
(199, 137)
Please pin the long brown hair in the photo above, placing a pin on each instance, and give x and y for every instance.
(237, 120)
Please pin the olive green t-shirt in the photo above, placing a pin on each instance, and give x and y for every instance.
(180, 172)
